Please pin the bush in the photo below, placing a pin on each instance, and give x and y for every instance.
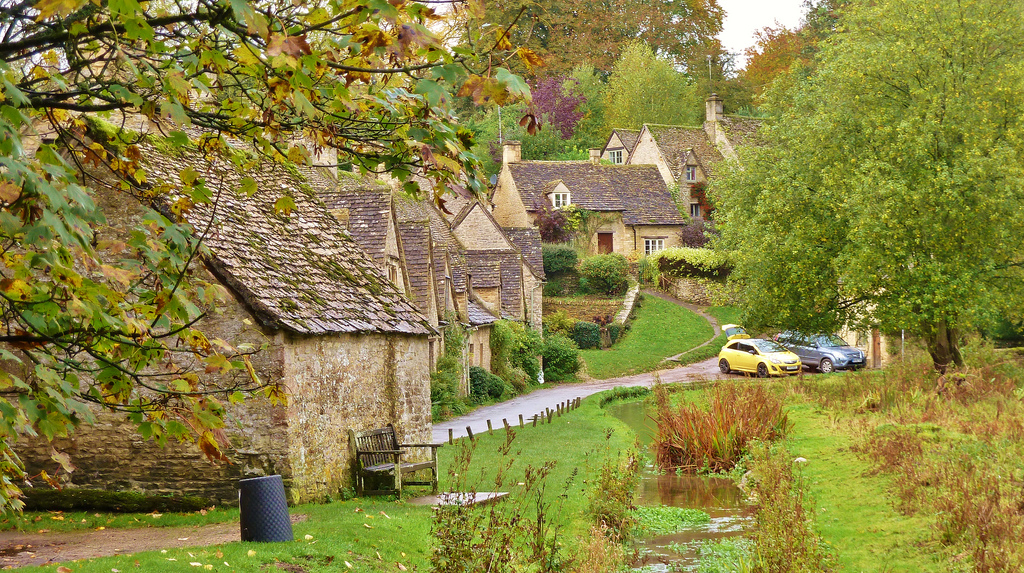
(447, 376)
(76, 499)
(484, 385)
(605, 274)
(559, 258)
(552, 225)
(614, 331)
(514, 350)
(687, 262)
(559, 322)
(586, 334)
(697, 234)
(561, 358)
(553, 287)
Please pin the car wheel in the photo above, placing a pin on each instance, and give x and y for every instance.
(762, 370)
(723, 365)
(826, 366)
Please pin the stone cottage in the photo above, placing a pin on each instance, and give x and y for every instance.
(348, 348)
(620, 145)
(632, 205)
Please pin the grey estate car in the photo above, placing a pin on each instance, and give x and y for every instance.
(826, 352)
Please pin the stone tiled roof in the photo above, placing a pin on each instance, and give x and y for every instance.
(478, 315)
(527, 240)
(445, 241)
(511, 274)
(299, 272)
(485, 267)
(675, 143)
(416, 250)
(369, 206)
(638, 191)
(628, 137)
(742, 130)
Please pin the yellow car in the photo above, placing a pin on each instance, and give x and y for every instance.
(758, 356)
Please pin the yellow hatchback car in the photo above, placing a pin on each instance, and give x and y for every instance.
(758, 356)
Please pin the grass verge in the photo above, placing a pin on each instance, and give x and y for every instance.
(661, 329)
(724, 315)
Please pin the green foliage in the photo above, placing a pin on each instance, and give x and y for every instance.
(559, 322)
(605, 274)
(447, 375)
(663, 520)
(553, 287)
(729, 555)
(892, 183)
(645, 88)
(586, 334)
(614, 330)
(514, 351)
(559, 258)
(483, 385)
(689, 262)
(72, 499)
(561, 358)
(613, 498)
(624, 393)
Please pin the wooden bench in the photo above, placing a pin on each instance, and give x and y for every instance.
(378, 453)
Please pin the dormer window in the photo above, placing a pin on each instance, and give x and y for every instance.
(691, 173)
(559, 200)
(615, 156)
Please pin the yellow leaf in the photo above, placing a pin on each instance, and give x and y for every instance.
(62, 8)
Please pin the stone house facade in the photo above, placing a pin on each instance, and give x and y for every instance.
(348, 348)
(632, 207)
(620, 145)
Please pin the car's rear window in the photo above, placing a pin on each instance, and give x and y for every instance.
(768, 346)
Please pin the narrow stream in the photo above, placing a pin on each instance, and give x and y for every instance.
(720, 498)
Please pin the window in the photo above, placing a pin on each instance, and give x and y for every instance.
(615, 156)
(560, 200)
(691, 173)
(653, 246)
(695, 210)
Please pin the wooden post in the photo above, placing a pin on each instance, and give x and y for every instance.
(535, 420)
(470, 432)
(551, 415)
(451, 436)
(489, 427)
(505, 422)
(520, 420)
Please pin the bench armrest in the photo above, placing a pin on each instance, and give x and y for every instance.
(360, 452)
(421, 445)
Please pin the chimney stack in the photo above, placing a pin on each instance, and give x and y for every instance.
(714, 109)
(511, 152)
(595, 155)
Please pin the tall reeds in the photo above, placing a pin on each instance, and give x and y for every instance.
(712, 439)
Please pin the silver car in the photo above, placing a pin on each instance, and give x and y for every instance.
(826, 352)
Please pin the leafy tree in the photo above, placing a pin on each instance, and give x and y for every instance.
(557, 104)
(115, 325)
(645, 88)
(890, 194)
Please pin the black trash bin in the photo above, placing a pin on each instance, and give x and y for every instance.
(264, 510)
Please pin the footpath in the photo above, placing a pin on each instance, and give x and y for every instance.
(539, 400)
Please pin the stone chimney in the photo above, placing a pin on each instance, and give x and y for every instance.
(714, 109)
(511, 152)
(595, 155)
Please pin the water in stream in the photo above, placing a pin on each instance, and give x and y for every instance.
(720, 498)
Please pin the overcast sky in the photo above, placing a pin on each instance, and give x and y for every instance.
(744, 17)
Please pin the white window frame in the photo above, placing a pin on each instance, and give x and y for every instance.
(560, 200)
(695, 210)
(615, 156)
(652, 246)
(691, 173)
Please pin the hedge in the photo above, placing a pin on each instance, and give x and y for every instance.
(605, 274)
(586, 334)
(688, 262)
(559, 258)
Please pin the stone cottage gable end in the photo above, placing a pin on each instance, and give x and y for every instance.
(348, 347)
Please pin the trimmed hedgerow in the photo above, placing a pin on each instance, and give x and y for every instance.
(586, 334)
(688, 262)
(77, 499)
(614, 331)
(561, 358)
(559, 258)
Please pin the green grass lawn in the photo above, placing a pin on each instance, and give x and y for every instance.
(724, 315)
(661, 329)
(378, 534)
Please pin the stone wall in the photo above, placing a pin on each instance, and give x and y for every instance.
(478, 347)
(687, 289)
(646, 153)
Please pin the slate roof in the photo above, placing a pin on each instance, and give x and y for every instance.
(675, 143)
(527, 240)
(638, 191)
(300, 272)
(628, 137)
(416, 250)
(478, 315)
(369, 206)
(742, 131)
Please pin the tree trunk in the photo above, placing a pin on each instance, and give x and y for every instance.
(944, 346)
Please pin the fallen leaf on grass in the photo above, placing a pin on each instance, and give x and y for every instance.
(63, 569)
(347, 564)
(379, 558)
(251, 553)
(367, 526)
(308, 537)
(385, 515)
(401, 567)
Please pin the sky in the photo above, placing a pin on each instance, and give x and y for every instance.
(744, 17)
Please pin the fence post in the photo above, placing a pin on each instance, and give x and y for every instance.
(451, 436)
(520, 420)
(470, 432)
(489, 427)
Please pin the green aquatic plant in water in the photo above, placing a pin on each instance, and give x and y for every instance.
(663, 520)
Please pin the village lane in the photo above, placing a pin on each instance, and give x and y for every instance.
(535, 402)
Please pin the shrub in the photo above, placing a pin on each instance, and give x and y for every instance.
(614, 331)
(561, 358)
(613, 499)
(559, 258)
(447, 375)
(514, 350)
(559, 322)
(586, 334)
(484, 385)
(697, 234)
(552, 225)
(605, 274)
(553, 287)
(688, 262)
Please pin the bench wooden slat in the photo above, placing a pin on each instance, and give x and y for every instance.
(377, 452)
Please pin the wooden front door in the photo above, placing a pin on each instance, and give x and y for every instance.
(604, 243)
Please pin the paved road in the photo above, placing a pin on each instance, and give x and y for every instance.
(535, 402)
